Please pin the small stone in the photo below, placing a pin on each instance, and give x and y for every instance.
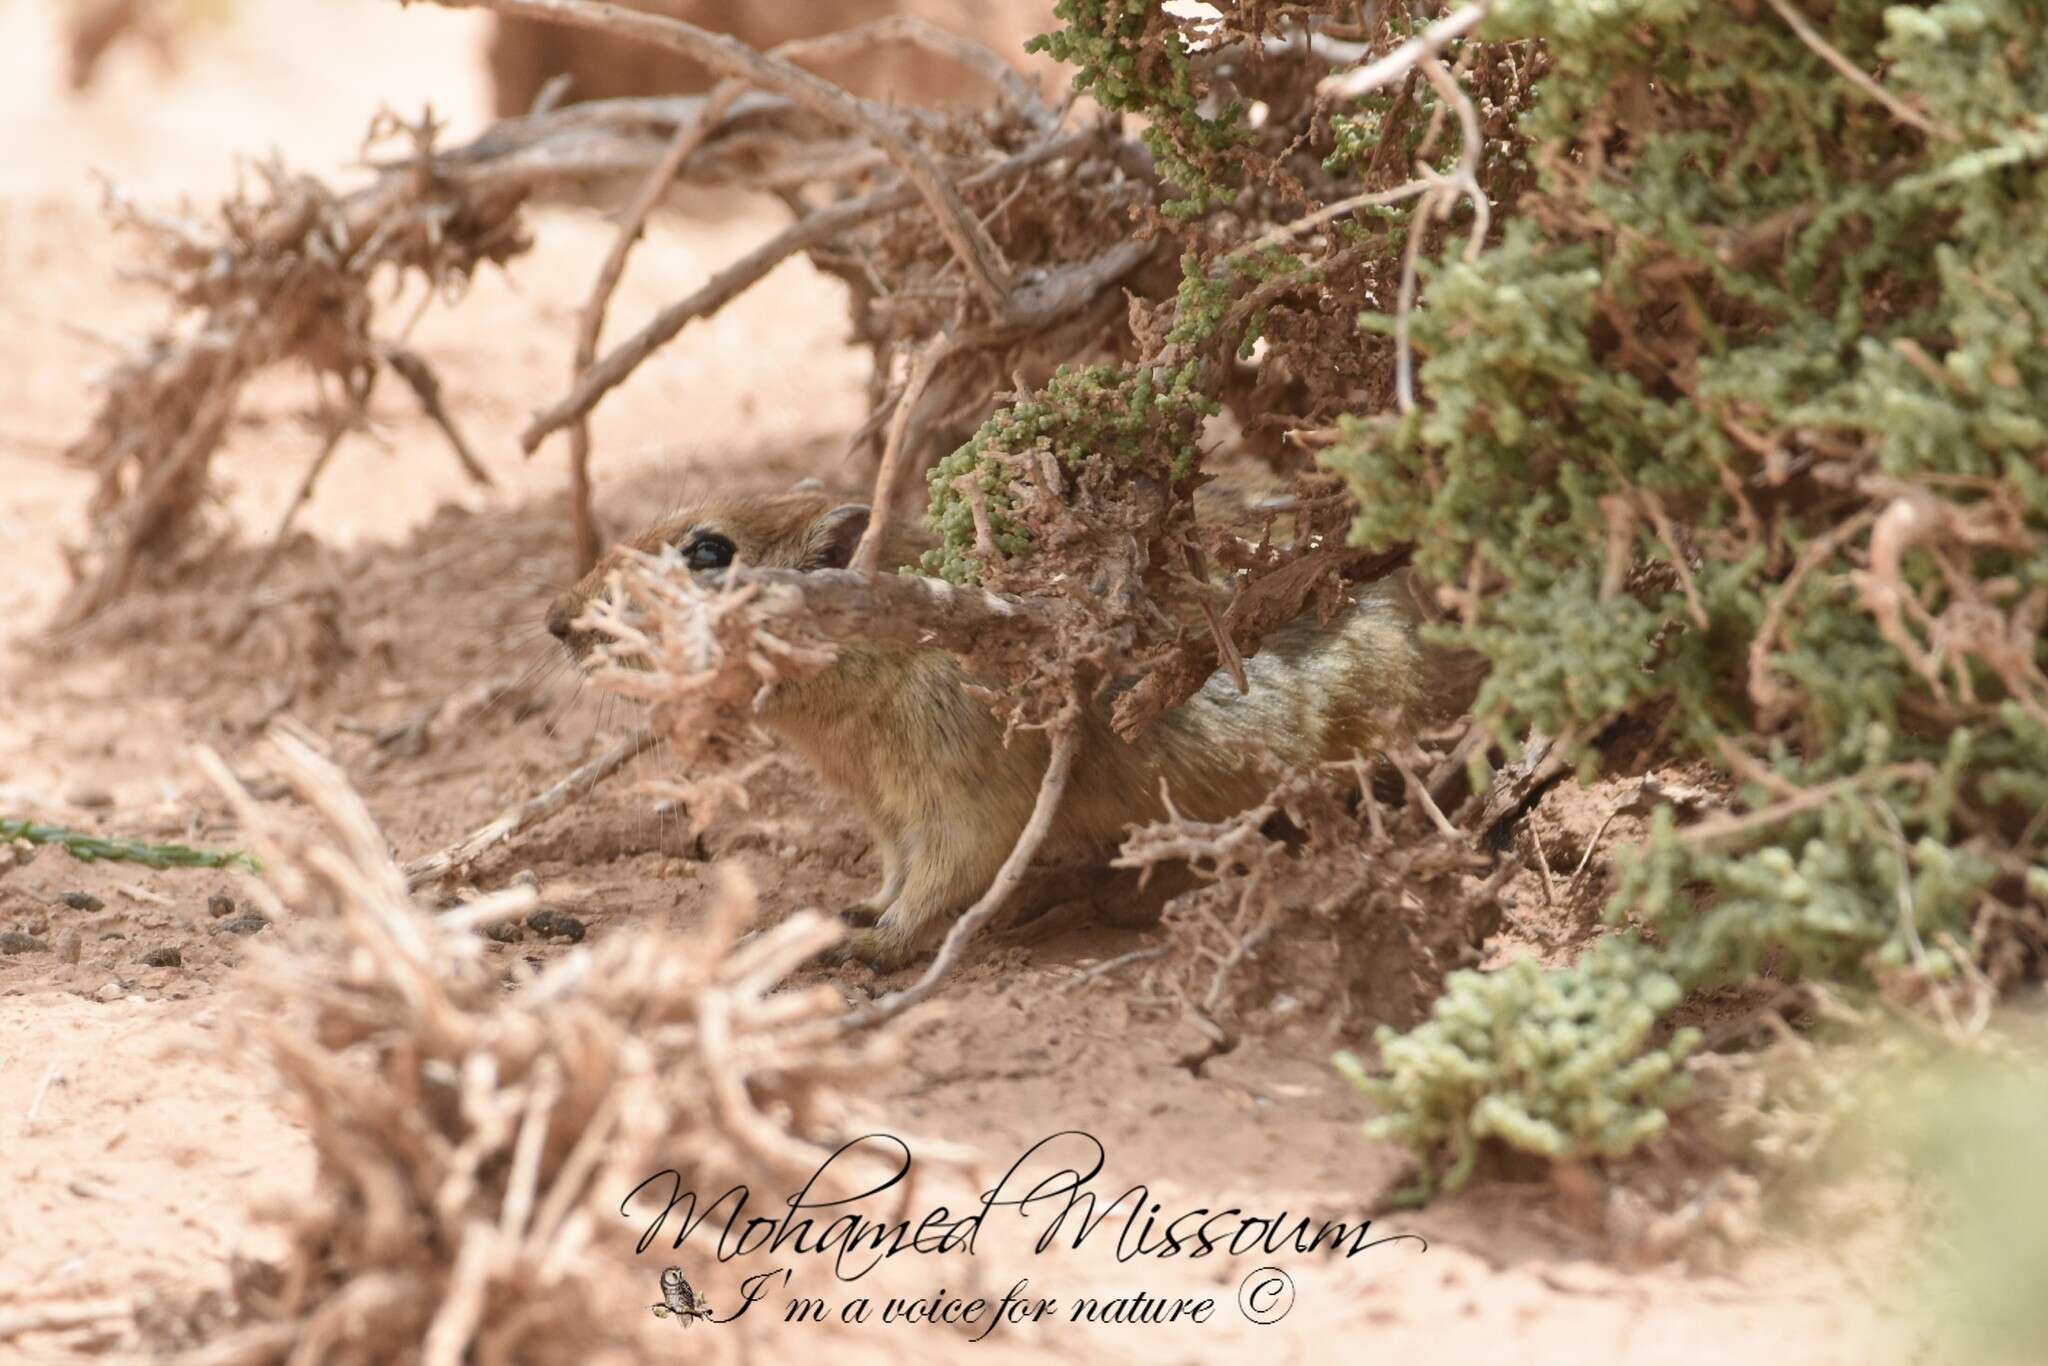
(245, 924)
(526, 877)
(113, 934)
(70, 947)
(552, 924)
(82, 901)
(503, 931)
(110, 992)
(14, 941)
(90, 798)
(218, 906)
(167, 957)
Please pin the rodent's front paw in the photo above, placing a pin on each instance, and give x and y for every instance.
(879, 949)
(861, 913)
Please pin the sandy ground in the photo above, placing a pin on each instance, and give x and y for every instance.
(128, 1151)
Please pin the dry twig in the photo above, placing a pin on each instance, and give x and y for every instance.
(1398, 63)
(688, 138)
(1066, 742)
(1827, 52)
(867, 556)
(534, 809)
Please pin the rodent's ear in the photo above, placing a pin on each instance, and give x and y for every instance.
(835, 535)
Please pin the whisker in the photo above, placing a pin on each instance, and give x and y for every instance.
(553, 725)
(533, 678)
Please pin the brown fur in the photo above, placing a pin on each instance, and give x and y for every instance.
(925, 762)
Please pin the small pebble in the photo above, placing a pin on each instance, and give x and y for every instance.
(110, 992)
(90, 798)
(218, 906)
(555, 925)
(503, 931)
(526, 877)
(70, 946)
(14, 941)
(163, 958)
(82, 901)
(245, 924)
(113, 934)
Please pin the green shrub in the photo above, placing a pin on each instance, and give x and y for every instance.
(1747, 300)
(1132, 58)
(1561, 1062)
(1736, 432)
(1123, 415)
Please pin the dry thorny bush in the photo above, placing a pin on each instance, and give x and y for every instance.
(980, 249)
(290, 270)
(473, 1134)
(1307, 880)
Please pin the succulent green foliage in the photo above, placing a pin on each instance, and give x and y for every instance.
(1748, 299)
(1132, 58)
(1202, 305)
(1835, 893)
(1127, 416)
(1565, 1062)
(93, 848)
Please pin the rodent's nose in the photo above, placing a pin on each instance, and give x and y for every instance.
(558, 621)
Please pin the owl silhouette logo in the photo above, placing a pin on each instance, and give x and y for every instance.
(679, 1301)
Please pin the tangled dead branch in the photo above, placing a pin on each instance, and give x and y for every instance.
(734, 60)
(692, 135)
(287, 274)
(979, 250)
(1307, 879)
(1116, 590)
(472, 1144)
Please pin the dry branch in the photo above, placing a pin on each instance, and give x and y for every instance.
(735, 60)
(804, 612)
(590, 325)
(1066, 743)
(1862, 80)
(867, 556)
(1403, 59)
(412, 367)
(533, 810)
(690, 136)
(813, 231)
(1398, 905)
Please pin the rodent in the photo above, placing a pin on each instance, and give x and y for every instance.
(925, 763)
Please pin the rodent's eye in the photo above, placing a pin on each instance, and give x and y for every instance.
(707, 550)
